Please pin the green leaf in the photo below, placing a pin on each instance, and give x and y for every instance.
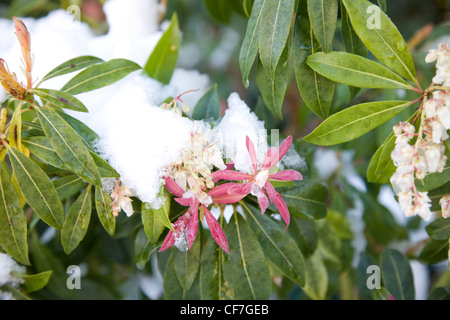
(304, 233)
(172, 287)
(276, 16)
(60, 99)
(37, 189)
(220, 10)
(381, 37)
(212, 284)
(100, 75)
(35, 282)
(41, 148)
(208, 107)
(15, 129)
(397, 275)
(316, 91)
(143, 249)
(354, 122)
(13, 224)
(355, 71)
(152, 225)
(77, 221)
(352, 42)
(277, 245)
(323, 18)
(273, 89)
(316, 277)
(68, 145)
(161, 213)
(68, 186)
(103, 203)
(433, 180)
(250, 44)
(244, 269)
(440, 293)
(186, 264)
(88, 136)
(72, 65)
(435, 251)
(307, 199)
(439, 229)
(104, 168)
(381, 167)
(162, 61)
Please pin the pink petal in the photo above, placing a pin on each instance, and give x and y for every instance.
(216, 230)
(262, 200)
(286, 175)
(183, 201)
(252, 153)
(227, 198)
(230, 192)
(178, 226)
(192, 227)
(284, 147)
(230, 175)
(277, 199)
(271, 158)
(222, 189)
(270, 191)
(173, 187)
(229, 165)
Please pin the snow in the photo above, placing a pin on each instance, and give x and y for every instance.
(8, 265)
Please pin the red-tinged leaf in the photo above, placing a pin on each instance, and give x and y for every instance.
(173, 187)
(286, 175)
(216, 230)
(230, 175)
(228, 198)
(252, 153)
(192, 227)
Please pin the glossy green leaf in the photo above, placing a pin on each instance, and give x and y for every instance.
(60, 99)
(316, 284)
(381, 167)
(397, 275)
(244, 269)
(152, 225)
(276, 18)
(352, 42)
(208, 107)
(354, 122)
(277, 245)
(72, 65)
(439, 229)
(172, 287)
(100, 75)
(316, 91)
(307, 199)
(35, 282)
(37, 189)
(274, 90)
(13, 225)
(433, 180)
(77, 221)
(161, 213)
(381, 37)
(250, 44)
(68, 186)
(163, 59)
(68, 145)
(355, 71)
(103, 205)
(186, 264)
(323, 17)
(212, 284)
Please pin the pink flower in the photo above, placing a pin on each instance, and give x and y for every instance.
(257, 183)
(188, 222)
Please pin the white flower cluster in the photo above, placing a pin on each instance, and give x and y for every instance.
(427, 154)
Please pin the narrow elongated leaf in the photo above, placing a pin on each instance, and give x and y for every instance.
(35, 282)
(354, 121)
(41, 148)
(143, 249)
(162, 61)
(208, 107)
(273, 89)
(244, 269)
(307, 199)
(100, 75)
(355, 71)
(77, 221)
(277, 245)
(316, 91)
(104, 168)
(221, 10)
(352, 42)
(381, 166)
(276, 16)
(435, 251)
(304, 233)
(37, 189)
(316, 277)
(68, 186)
(68, 145)
(381, 37)
(72, 65)
(88, 136)
(104, 211)
(186, 264)
(212, 284)
(250, 44)
(13, 225)
(439, 229)
(323, 18)
(397, 275)
(60, 99)
(15, 129)
(152, 225)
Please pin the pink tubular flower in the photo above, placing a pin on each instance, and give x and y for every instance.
(257, 182)
(188, 222)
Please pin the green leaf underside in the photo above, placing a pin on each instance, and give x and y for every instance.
(13, 225)
(100, 75)
(356, 71)
(354, 121)
(77, 221)
(163, 58)
(383, 40)
(72, 65)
